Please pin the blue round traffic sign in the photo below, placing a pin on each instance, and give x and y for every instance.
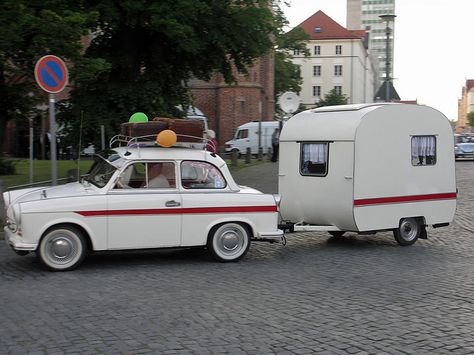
(51, 74)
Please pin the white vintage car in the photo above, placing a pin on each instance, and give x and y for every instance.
(192, 201)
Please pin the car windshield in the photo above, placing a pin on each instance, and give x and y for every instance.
(104, 166)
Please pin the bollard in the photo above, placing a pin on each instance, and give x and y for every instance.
(260, 153)
(2, 207)
(235, 157)
(269, 153)
(248, 156)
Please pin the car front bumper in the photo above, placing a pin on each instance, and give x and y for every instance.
(15, 241)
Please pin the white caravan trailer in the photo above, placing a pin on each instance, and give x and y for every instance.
(367, 168)
(246, 136)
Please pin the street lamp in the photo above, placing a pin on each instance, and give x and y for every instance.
(387, 18)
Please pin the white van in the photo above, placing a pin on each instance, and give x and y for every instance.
(366, 168)
(246, 136)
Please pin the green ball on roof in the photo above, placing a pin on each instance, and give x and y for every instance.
(138, 117)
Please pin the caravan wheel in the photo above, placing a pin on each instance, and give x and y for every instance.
(408, 231)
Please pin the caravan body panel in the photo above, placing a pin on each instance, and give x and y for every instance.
(373, 179)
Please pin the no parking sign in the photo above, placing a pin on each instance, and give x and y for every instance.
(51, 74)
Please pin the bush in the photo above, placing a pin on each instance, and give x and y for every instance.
(7, 167)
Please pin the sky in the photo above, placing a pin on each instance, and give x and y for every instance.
(434, 52)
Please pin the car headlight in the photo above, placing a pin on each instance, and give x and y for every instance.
(11, 225)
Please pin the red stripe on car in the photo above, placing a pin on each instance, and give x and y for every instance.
(404, 199)
(195, 210)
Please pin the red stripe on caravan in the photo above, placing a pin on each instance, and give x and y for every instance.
(404, 199)
(196, 210)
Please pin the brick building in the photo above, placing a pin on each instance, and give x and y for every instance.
(251, 98)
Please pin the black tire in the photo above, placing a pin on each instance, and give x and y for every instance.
(337, 234)
(229, 242)
(62, 249)
(408, 231)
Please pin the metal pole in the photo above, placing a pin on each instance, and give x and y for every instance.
(52, 131)
(387, 63)
(102, 137)
(30, 179)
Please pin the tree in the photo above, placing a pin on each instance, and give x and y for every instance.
(470, 118)
(29, 30)
(332, 99)
(153, 48)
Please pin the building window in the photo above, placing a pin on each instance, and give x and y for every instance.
(317, 30)
(317, 91)
(338, 90)
(317, 50)
(296, 52)
(314, 159)
(338, 50)
(423, 150)
(316, 70)
(338, 70)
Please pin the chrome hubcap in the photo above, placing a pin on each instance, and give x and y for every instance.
(230, 240)
(408, 229)
(62, 250)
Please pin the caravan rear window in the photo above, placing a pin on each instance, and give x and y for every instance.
(314, 158)
(423, 150)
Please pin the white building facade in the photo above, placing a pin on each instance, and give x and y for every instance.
(338, 60)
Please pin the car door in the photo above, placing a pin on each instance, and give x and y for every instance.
(143, 216)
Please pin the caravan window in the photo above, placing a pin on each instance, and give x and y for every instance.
(314, 159)
(423, 150)
(242, 133)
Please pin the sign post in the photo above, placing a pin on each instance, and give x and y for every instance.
(51, 75)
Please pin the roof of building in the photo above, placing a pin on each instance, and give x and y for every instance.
(469, 84)
(320, 26)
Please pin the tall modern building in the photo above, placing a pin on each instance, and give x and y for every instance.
(364, 14)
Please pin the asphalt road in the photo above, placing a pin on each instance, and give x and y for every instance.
(361, 295)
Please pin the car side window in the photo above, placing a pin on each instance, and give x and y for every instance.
(132, 177)
(201, 175)
(160, 175)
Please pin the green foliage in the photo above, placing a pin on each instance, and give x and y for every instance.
(144, 53)
(7, 167)
(29, 30)
(470, 118)
(332, 99)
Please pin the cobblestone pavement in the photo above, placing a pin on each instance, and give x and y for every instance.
(361, 295)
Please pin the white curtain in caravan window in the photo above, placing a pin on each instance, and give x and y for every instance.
(423, 146)
(315, 152)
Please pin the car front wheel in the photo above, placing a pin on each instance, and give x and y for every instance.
(229, 242)
(408, 231)
(62, 249)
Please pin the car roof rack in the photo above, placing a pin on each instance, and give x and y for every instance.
(149, 141)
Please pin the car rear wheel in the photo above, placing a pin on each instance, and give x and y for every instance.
(62, 249)
(229, 242)
(408, 231)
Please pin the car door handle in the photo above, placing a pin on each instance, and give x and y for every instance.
(172, 203)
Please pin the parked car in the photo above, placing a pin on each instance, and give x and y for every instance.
(464, 151)
(196, 202)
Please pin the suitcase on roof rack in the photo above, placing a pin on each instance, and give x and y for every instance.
(140, 129)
